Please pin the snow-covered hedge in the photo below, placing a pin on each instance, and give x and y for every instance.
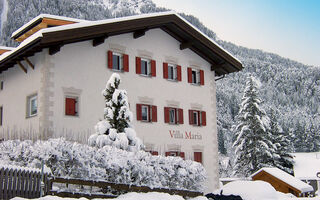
(68, 159)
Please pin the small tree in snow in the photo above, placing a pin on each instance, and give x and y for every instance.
(252, 143)
(116, 129)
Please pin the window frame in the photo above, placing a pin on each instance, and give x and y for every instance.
(196, 79)
(147, 112)
(174, 72)
(148, 67)
(120, 63)
(175, 116)
(30, 99)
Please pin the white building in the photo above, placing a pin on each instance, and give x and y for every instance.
(51, 83)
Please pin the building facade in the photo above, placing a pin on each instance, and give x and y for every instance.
(52, 82)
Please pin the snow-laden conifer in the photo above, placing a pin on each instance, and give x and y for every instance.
(116, 129)
(252, 144)
(281, 139)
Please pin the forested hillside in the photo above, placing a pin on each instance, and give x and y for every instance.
(290, 88)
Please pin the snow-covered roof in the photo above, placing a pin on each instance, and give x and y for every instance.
(7, 48)
(85, 30)
(306, 165)
(39, 17)
(287, 178)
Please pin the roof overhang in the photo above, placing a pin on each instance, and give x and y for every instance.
(190, 37)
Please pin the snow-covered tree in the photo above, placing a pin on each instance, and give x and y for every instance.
(252, 144)
(281, 139)
(116, 129)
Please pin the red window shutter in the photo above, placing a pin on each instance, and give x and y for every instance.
(139, 115)
(154, 113)
(110, 59)
(190, 117)
(189, 75)
(125, 63)
(166, 115)
(198, 157)
(70, 106)
(165, 70)
(201, 77)
(182, 155)
(167, 153)
(178, 72)
(153, 68)
(138, 65)
(180, 114)
(154, 153)
(203, 117)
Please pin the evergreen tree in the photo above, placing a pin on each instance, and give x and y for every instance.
(116, 129)
(282, 159)
(252, 144)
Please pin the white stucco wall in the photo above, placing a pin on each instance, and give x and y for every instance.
(18, 85)
(82, 69)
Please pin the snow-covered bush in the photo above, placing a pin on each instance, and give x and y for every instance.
(68, 159)
(116, 129)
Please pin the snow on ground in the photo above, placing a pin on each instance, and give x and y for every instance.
(306, 165)
(130, 196)
(256, 190)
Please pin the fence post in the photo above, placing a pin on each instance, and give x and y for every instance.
(41, 179)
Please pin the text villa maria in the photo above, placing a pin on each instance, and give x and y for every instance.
(185, 135)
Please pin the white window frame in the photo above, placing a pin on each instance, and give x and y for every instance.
(197, 118)
(148, 72)
(174, 119)
(147, 110)
(174, 72)
(120, 64)
(30, 99)
(196, 78)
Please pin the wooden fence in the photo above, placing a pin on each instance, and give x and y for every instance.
(114, 186)
(21, 182)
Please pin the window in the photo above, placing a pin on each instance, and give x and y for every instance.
(71, 106)
(197, 156)
(173, 115)
(32, 105)
(145, 67)
(175, 154)
(197, 118)
(1, 115)
(195, 76)
(172, 72)
(154, 153)
(146, 113)
(118, 61)
(1, 85)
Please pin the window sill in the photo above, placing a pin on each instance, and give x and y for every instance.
(144, 75)
(117, 70)
(144, 121)
(72, 116)
(172, 80)
(31, 116)
(196, 84)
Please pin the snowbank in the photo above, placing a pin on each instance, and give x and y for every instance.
(254, 190)
(130, 196)
(74, 160)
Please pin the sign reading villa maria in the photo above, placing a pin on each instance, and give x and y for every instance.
(176, 134)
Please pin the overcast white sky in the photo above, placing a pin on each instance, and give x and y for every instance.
(290, 28)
